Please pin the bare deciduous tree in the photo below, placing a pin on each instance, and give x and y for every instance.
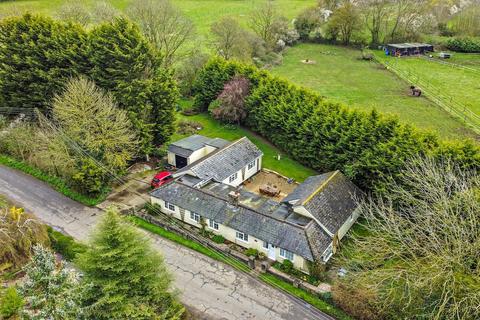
(230, 40)
(262, 22)
(103, 12)
(74, 11)
(421, 253)
(375, 14)
(164, 25)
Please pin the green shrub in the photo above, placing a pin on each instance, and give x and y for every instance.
(65, 245)
(469, 45)
(252, 252)
(287, 266)
(218, 238)
(10, 303)
(323, 135)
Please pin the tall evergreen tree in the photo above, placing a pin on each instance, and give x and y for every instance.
(37, 55)
(125, 64)
(129, 280)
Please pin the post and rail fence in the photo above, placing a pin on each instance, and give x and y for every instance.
(447, 103)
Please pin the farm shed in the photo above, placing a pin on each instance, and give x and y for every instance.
(407, 49)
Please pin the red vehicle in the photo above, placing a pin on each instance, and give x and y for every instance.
(161, 178)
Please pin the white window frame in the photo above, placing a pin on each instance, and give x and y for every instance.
(241, 236)
(233, 177)
(265, 245)
(213, 224)
(194, 216)
(286, 254)
(252, 164)
(169, 206)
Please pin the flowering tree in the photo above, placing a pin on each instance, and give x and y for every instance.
(230, 105)
(51, 291)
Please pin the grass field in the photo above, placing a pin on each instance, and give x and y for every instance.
(454, 83)
(340, 75)
(286, 166)
(202, 12)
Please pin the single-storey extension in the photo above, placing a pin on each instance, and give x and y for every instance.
(186, 151)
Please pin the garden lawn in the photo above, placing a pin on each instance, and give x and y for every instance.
(340, 75)
(285, 166)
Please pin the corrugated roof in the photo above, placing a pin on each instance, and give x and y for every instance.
(185, 147)
(409, 45)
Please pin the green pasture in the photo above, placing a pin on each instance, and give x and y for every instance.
(339, 74)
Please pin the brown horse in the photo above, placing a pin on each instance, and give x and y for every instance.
(416, 92)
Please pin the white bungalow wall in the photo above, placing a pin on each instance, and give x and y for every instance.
(230, 234)
(196, 155)
(245, 173)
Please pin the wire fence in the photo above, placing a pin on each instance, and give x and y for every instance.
(436, 95)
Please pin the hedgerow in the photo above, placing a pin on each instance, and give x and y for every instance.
(367, 147)
(469, 45)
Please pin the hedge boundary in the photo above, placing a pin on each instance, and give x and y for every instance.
(368, 147)
(56, 183)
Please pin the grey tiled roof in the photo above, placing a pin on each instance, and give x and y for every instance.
(319, 240)
(333, 202)
(306, 188)
(224, 162)
(241, 218)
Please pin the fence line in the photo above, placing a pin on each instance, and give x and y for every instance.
(434, 94)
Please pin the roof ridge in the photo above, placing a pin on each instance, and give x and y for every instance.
(240, 205)
(320, 187)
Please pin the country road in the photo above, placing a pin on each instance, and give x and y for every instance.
(209, 288)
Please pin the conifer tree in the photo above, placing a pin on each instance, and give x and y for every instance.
(128, 279)
(37, 55)
(125, 64)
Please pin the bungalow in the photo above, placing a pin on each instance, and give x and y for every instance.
(303, 227)
(232, 164)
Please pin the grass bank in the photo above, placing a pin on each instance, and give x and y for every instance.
(339, 74)
(285, 166)
(267, 278)
(55, 182)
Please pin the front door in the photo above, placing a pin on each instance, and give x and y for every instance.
(180, 162)
(271, 251)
